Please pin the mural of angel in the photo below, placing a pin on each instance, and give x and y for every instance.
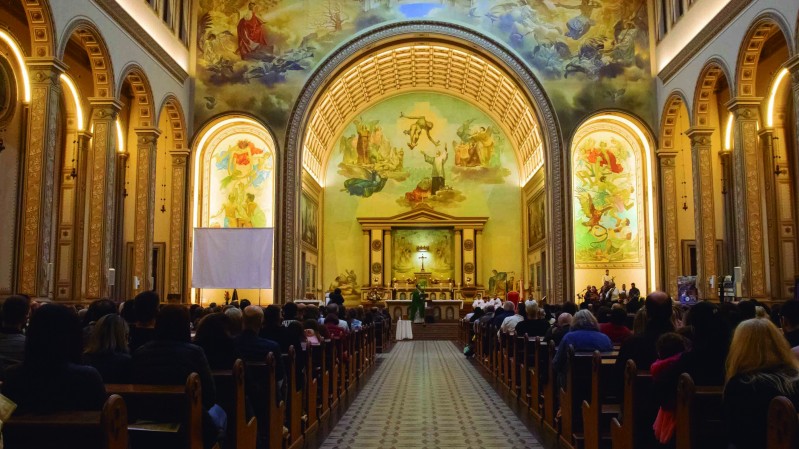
(415, 131)
(365, 186)
(579, 25)
(251, 34)
(476, 146)
(591, 212)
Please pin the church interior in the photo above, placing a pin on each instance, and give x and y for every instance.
(443, 170)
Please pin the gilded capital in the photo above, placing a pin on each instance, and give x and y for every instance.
(45, 70)
(700, 136)
(147, 136)
(104, 108)
(745, 107)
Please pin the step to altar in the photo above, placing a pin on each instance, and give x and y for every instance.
(435, 331)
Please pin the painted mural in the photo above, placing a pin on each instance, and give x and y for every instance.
(309, 213)
(414, 247)
(421, 150)
(536, 220)
(237, 170)
(256, 55)
(608, 200)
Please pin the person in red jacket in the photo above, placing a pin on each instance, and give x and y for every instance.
(615, 329)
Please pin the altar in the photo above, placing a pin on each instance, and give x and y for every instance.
(443, 310)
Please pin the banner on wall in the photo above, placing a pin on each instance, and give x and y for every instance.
(232, 258)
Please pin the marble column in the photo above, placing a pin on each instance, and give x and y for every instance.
(387, 258)
(144, 206)
(102, 188)
(704, 209)
(177, 224)
(458, 263)
(38, 177)
(671, 241)
(748, 191)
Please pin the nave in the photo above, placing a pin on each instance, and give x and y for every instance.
(426, 394)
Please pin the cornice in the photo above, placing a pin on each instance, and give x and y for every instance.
(708, 33)
(143, 38)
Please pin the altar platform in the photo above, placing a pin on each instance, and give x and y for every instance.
(442, 311)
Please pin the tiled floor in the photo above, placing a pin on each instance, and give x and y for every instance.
(425, 394)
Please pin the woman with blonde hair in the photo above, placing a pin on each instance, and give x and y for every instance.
(760, 366)
(107, 349)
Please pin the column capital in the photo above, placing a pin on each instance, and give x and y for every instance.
(666, 154)
(793, 65)
(147, 136)
(104, 108)
(744, 107)
(42, 70)
(700, 135)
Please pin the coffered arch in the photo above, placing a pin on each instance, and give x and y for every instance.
(668, 125)
(40, 21)
(714, 70)
(86, 33)
(761, 30)
(142, 95)
(424, 56)
(170, 106)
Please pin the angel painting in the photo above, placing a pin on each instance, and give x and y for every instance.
(593, 213)
(369, 183)
(476, 147)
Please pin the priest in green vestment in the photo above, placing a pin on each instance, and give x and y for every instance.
(416, 311)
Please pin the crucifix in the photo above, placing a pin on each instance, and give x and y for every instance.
(422, 258)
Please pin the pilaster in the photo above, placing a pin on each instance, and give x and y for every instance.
(387, 258)
(144, 206)
(671, 242)
(747, 175)
(458, 262)
(36, 245)
(102, 196)
(177, 224)
(704, 215)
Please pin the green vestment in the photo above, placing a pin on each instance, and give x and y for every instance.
(417, 305)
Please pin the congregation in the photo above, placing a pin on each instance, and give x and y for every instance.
(746, 353)
(56, 358)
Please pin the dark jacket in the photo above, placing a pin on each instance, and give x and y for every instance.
(71, 387)
(746, 401)
(170, 362)
(253, 348)
(114, 367)
(533, 328)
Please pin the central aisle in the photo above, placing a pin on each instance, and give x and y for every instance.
(425, 394)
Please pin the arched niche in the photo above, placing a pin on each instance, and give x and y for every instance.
(234, 185)
(612, 202)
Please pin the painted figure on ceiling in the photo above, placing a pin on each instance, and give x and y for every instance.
(415, 131)
(251, 34)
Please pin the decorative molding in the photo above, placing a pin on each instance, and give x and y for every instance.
(377, 245)
(40, 22)
(668, 178)
(144, 206)
(143, 38)
(377, 268)
(703, 38)
(704, 208)
(177, 223)
(291, 164)
(468, 245)
(468, 268)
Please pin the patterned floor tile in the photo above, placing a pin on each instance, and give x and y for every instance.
(425, 394)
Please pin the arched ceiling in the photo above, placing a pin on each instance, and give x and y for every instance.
(423, 66)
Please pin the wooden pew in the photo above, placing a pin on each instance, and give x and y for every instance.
(106, 429)
(310, 397)
(379, 335)
(322, 374)
(698, 415)
(177, 410)
(294, 395)
(549, 386)
(333, 369)
(636, 410)
(523, 355)
(241, 432)
(577, 389)
(783, 425)
(536, 374)
(270, 409)
(601, 407)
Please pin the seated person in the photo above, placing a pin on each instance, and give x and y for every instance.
(51, 377)
(107, 349)
(12, 340)
(760, 366)
(170, 357)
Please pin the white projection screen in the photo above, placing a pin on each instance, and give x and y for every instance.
(232, 258)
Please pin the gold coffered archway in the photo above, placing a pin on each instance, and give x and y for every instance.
(423, 65)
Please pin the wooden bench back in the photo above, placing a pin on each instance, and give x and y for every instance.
(698, 414)
(106, 429)
(269, 407)
(165, 404)
(230, 384)
(783, 425)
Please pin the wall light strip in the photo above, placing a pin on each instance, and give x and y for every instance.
(120, 138)
(26, 83)
(78, 108)
(774, 88)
